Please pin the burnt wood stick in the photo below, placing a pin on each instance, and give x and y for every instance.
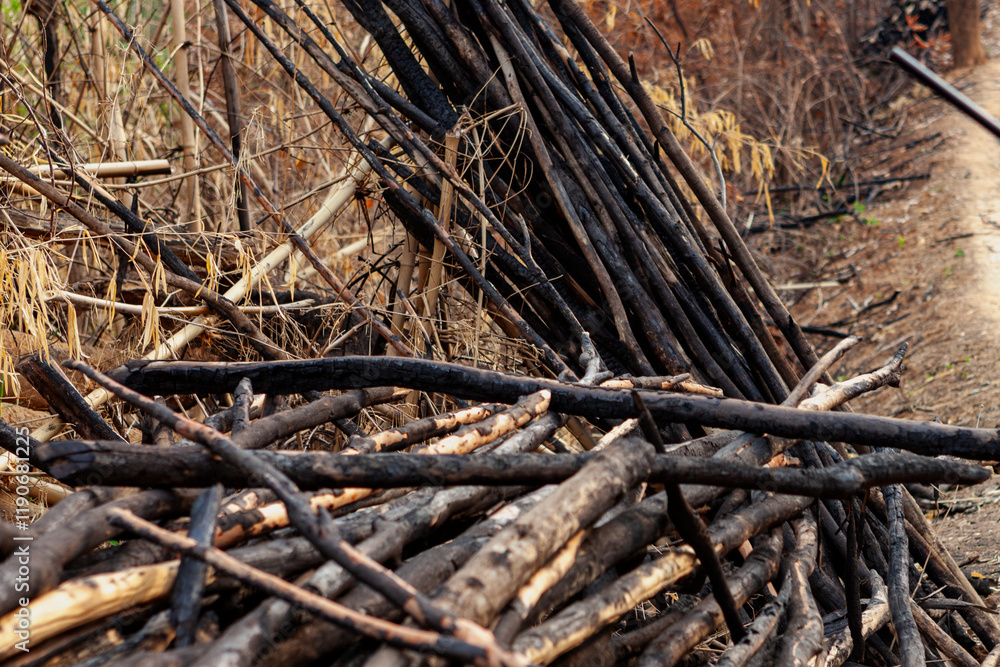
(143, 657)
(155, 432)
(911, 649)
(221, 421)
(874, 617)
(161, 377)
(826, 587)
(349, 428)
(242, 399)
(629, 645)
(419, 430)
(280, 425)
(945, 90)
(233, 103)
(242, 525)
(354, 527)
(416, 83)
(190, 582)
(629, 280)
(876, 537)
(693, 531)
(63, 397)
(79, 501)
(993, 659)
(292, 555)
(474, 436)
(839, 524)
(598, 651)
(852, 582)
(841, 392)
(431, 41)
(393, 97)
(800, 390)
(602, 264)
(804, 627)
(759, 633)
(122, 464)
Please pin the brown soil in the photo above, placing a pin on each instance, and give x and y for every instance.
(924, 268)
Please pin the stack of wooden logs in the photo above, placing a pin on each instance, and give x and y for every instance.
(663, 479)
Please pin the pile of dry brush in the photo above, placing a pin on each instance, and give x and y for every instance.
(655, 467)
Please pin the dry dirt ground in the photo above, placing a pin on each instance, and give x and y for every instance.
(924, 267)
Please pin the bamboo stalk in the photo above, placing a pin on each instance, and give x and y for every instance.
(133, 309)
(233, 107)
(106, 169)
(407, 262)
(190, 197)
(436, 277)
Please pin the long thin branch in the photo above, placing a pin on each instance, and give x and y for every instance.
(929, 438)
(122, 464)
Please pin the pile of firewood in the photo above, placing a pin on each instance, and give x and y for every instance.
(658, 478)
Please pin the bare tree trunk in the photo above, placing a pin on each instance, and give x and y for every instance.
(966, 43)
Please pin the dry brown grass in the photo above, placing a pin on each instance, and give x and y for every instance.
(291, 150)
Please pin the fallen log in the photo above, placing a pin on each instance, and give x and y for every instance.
(117, 464)
(929, 438)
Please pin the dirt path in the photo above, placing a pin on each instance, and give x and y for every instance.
(970, 523)
(931, 258)
(975, 178)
